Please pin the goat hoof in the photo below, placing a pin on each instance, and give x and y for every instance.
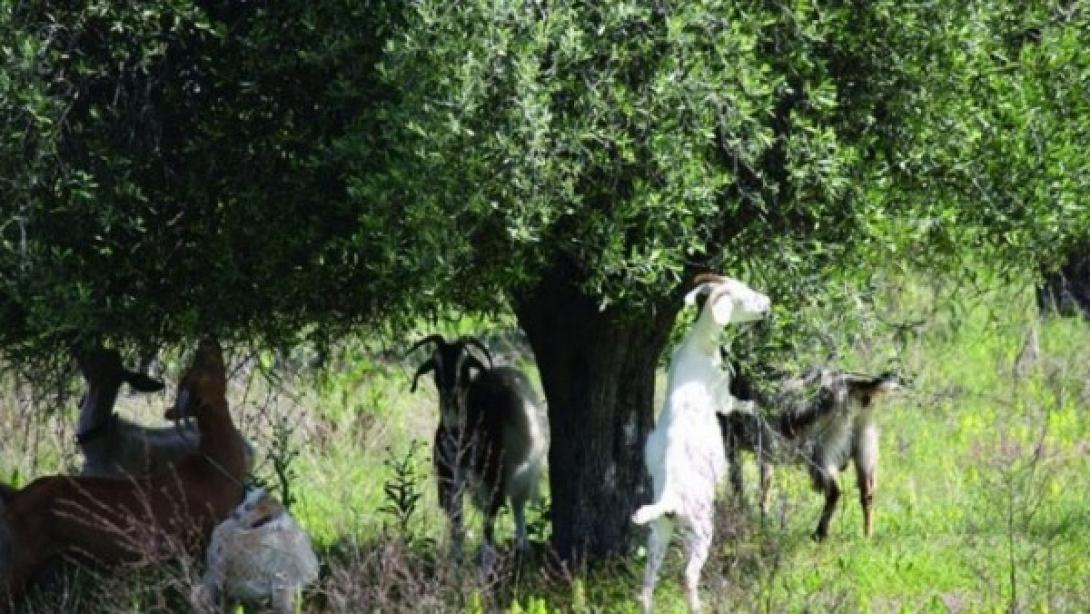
(818, 536)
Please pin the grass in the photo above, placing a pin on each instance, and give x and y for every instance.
(983, 498)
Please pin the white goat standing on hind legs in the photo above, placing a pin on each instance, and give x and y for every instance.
(684, 454)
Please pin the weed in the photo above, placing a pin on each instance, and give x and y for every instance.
(402, 490)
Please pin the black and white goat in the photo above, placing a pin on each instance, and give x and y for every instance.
(492, 437)
(822, 419)
(684, 454)
(114, 447)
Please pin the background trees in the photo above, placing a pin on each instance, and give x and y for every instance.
(270, 172)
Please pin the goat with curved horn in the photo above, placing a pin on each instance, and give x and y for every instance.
(491, 439)
(471, 340)
(684, 453)
(434, 338)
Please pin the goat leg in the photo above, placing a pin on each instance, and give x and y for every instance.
(450, 498)
(488, 548)
(734, 462)
(283, 600)
(827, 479)
(661, 530)
(700, 541)
(866, 499)
(522, 537)
(866, 469)
(766, 487)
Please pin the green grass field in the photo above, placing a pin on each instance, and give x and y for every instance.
(983, 499)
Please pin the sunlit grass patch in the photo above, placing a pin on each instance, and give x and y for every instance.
(983, 498)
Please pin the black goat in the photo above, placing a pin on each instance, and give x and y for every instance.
(491, 437)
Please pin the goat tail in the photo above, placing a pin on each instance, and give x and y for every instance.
(663, 507)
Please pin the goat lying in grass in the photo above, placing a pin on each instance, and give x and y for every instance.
(257, 554)
(114, 447)
(684, 454)
(821, 419)
(491, 438)
(108, 520)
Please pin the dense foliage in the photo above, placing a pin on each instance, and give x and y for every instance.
(633, 143)
(154, 156)
(170, 173)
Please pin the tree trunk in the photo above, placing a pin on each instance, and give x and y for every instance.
(1067, 291)
(598, 373)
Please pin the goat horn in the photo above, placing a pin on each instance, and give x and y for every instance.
(429, 339)
(704, 285)
(870, 381)
(471, 361)
(708, 278)
(428, 365)
(471, 340)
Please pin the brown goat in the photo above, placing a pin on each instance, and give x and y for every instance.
(110, 520)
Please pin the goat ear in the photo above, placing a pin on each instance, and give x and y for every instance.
(701, 290)
(429, 365)
(142, 383)
(887, 382)
(722, 306)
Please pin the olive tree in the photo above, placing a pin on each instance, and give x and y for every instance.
(168, 172)
(583, 160)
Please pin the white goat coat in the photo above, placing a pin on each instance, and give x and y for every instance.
(684, 454)
(251, 563)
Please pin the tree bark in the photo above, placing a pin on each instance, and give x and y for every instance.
(1067, 290)
(598, 373)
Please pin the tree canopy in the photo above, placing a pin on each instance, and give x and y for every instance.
(171, 174)
(642, 141)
